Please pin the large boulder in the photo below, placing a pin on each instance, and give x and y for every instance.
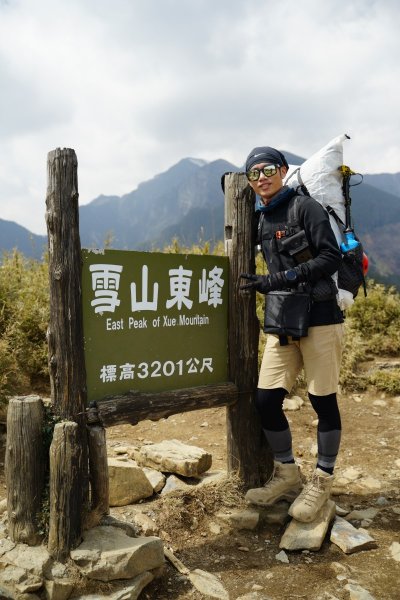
(127, 482)
(172, 456)
(107, 553)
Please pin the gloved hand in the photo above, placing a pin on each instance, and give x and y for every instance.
(264, 283)
(276, 281)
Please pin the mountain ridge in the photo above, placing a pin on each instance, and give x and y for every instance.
(186, 202)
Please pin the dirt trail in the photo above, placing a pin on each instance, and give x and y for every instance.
(245, 561)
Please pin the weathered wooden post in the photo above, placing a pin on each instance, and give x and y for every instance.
(66, 350)
(24, 468)
(248, 453)
(65, 493)
(99, 481)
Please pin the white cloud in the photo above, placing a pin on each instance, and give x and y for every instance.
(135, 86)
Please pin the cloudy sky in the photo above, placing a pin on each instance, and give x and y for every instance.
(133, 86)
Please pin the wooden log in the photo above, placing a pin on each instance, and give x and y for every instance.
(65, 493)
(136, 406)
(248, 453)
(24, 468)
(65, 331)
(98, 474)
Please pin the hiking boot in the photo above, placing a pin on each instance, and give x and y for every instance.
(313, 497)
(285, 484)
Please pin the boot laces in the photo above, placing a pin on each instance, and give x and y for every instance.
(314, 489)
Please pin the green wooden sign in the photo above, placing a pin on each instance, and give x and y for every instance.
(153, 321)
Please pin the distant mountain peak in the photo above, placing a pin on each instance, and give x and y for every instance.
(199, 162)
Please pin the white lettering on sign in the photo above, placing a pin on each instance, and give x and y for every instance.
(143, 370)
(210, 287)
(145, 303)
(108, 373)
(179, 284)
(105, 284)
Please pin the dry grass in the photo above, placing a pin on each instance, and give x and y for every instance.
(187, 509)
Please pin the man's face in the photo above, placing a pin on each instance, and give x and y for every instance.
(267, 187)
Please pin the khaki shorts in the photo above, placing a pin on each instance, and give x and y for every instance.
(320, 354)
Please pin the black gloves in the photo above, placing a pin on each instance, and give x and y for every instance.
(270, 283)
(263, 283)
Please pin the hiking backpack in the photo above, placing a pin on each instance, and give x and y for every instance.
(324, 177)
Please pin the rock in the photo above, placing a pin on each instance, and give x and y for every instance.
(128, 528)
(146, 525)
(395, 551)
(174, 483)
(277, 514)
(59, 589)
(282, 557)
(173, 456)
(127, 482)
(208, 584)
(340, 511)
(214, 528)
(370, 483)
(6, 546)
(294, 403)
(379, 403)
(357, 592)
(107, 553)
(121, 450)
(349, 539)
(240, 519)
(131, 590)
(338, 568)
(352, 473)
(359, 515)
(156, 478)
(34, 559)
(17, 578)
(212, 477)
(382, 501)
(308, 536)
(3, 505)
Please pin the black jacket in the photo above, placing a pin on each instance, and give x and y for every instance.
(277, 225)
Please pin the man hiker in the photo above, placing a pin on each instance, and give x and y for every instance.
(304, 327)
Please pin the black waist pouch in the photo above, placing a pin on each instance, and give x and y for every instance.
(287, 313)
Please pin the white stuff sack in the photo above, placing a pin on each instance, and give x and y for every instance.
(323, 180)
(321, 176)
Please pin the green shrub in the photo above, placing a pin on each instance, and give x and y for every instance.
(24, 315)
(386, 381)
(377, 319)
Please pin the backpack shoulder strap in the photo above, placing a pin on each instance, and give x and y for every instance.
(293, 212)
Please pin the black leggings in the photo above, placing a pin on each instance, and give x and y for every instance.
(269, 404)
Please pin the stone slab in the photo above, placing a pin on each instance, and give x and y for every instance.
(308, 536)
(349, 539)
(107, 553)
(127, 482)
(172, 456)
